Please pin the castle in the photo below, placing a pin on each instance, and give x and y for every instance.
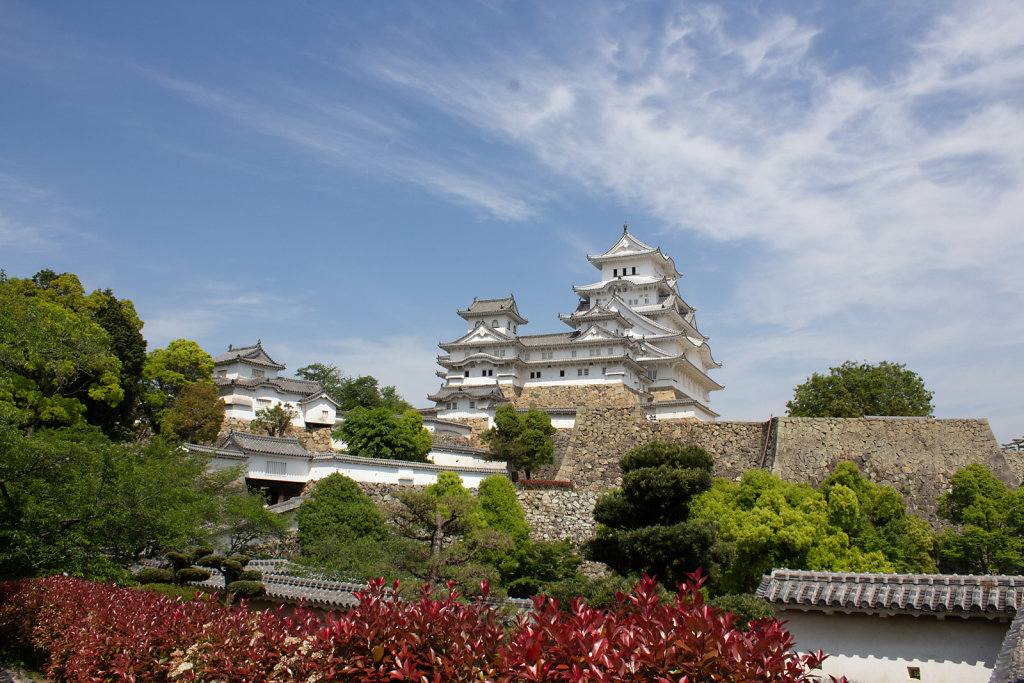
(634, 341)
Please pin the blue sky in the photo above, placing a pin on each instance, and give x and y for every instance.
(835, 180)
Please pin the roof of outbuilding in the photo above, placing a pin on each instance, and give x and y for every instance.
(286, 385)
(259, 443)
(918, 594)
(491, 391)
(250, 355)
(1010, 660)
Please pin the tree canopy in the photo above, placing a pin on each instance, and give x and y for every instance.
(354, 392)
(849, 524)
(860, 389)
(644, 527)
(989, 538)
(378, 433)
(524, 441)
(339, 526)
(274, 420)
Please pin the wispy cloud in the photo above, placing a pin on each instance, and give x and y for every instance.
(322, 124)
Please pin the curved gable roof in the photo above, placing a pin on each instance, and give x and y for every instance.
(250, 355)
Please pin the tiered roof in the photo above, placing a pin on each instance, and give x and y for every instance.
(250, 355)
(485, 307)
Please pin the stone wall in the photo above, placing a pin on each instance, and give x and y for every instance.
(916, 456)
(575, 395)
(554, 515)
(602, 435)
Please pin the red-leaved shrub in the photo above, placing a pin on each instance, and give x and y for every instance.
(97, 632)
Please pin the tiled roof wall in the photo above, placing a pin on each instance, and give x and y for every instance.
(912, 593)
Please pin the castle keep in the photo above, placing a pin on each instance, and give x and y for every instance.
(633, 341)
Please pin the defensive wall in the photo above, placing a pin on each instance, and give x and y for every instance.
(916, 456)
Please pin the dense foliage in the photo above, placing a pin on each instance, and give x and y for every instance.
(85, 631)
(644, 527)
(524, 441)
(354, 392)
(340, 528)
(989, 538)
(378, 433)
(860, 389)
(849, 524)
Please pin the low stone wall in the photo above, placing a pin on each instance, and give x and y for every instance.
(555, 515)
(575, 395)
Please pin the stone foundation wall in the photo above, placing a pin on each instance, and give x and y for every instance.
(666, 394)
(602, 435)
(556, 515)
(916, 456)
(575, 395)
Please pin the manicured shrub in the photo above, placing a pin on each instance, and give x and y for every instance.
(154, 575)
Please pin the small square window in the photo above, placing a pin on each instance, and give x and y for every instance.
(472, 404)
(914, 672)
(561, 373)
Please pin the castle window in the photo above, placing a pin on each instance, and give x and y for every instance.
(547, 355)
(257, 373)
(467, 373)
(275, 467)
(483, 373)
(574, 353)
(615, 272)
(494, 323)
(595, 351)
(604, 371)
(611, 350)
(634, 270)
(582, 372)
(561, 373)
(263, 403)
(472, 404)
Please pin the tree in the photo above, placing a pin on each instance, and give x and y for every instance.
(245, 523)
(644, 526)
(377, 433)
(446, 534)
(275, 420)
(52, 360)
(849, 524)
(168, 371)
(990, 520)
(354, 392)
(196, 415)
(73, 501)
(340, 527)
(524, 441)
(857, 390)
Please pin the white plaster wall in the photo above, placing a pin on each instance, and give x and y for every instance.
(875, 649)
(387, 473)
(313, 412)
(441, 457)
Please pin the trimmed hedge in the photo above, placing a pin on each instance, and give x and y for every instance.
(97, 632)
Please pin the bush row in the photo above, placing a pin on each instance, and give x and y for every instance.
(86, 631)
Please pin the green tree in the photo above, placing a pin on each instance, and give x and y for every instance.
(378, 433)
(989, 536)
(859, 389)
(644, 526)
(524, 441)
(340, 527)
(500, 508)
(275, 420)
(196, 415)
(445, 535)
(53, 360)
(73, 501)
(168, 371)
(354, 392)
(246, 525)
(849, 524)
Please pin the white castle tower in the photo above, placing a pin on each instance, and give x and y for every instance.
(634, 341)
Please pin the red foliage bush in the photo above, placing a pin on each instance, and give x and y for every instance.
(545, 484)
(97, 632)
